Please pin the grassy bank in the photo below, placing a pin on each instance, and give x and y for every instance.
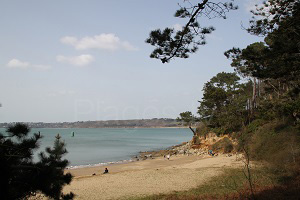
(233, 184)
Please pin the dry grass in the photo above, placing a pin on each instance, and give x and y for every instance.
(233, 185)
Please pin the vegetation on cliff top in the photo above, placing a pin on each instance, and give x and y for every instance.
(259, 104)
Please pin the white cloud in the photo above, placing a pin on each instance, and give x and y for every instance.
(69, 40)
(81, 60)
(126, 45)
(103, 41)
(15, 63)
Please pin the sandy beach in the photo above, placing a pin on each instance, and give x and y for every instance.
(152, 176)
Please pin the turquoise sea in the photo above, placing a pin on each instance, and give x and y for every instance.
(101, 146)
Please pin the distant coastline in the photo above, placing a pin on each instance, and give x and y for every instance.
(134, 123)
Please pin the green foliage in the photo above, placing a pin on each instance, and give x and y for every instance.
(202, 130)
(225, 145)
(271, 14)
(247, 62)
(223, 104)
(196, 140)
(254, 126)
(278, 144)
(283, 108)
(170, 43)
(21, 176)
(264, 112)
(290, 109)
(246, 134)
(219, 131)
(275, 62)
(187, 118)
(278, 57)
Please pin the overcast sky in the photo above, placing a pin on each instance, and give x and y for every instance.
(78, 60)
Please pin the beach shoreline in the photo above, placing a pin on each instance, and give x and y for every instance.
(147, 177)
(151, 173)
(142, 155)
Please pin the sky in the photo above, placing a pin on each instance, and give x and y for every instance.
(86, 60)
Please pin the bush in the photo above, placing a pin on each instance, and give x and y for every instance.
(202, 130)
(196, 140)
(219, 131)
(224, 145)
(278, 144)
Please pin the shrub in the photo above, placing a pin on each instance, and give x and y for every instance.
(196, 140)
(224, 145)
(202, 130)
(277, 144)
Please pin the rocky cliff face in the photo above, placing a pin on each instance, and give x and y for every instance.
(218, 145)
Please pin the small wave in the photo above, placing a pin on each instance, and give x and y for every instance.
(99, 164)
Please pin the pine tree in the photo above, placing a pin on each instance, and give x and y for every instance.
(170, 43)
(21, 177)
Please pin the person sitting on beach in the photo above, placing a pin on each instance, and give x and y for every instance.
(168, 156)
(105, 171)
(212, 153)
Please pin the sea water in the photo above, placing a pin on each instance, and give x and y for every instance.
(102, 146)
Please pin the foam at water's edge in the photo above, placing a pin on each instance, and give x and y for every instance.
(99, 164)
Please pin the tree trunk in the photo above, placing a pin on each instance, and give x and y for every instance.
(253, 100)
(192, 129)
(254, 94)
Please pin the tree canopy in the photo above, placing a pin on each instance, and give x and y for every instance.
(188, 119)
(274, 62)
(224, 101)
(270, 72)
(259, 104)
